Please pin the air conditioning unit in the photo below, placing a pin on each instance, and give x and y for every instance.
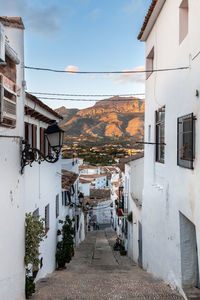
(2, 43)
(8, 100)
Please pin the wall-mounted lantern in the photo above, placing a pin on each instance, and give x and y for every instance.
(54, 135)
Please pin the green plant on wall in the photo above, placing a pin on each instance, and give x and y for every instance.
(65, 247)
(130, 217)
(34, 235)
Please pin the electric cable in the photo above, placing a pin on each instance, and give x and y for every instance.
(105, 72)
(83, 95)
(86, 100)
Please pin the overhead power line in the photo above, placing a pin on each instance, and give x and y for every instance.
(91, 95)
(105, 72)
(84, 100)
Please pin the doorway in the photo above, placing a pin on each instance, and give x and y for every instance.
(189, 253)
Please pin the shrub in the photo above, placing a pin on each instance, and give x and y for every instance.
(34, 235)
(65, 247)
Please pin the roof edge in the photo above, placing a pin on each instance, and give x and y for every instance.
(14, 22)
(41, 104)
(150, 19)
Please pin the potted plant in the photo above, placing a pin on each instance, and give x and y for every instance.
(123, 251)
(65, 246)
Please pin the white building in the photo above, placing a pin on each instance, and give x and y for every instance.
(101, 201)
(98, 181)
(70, 164)
(42, 181)
(12, 275)
(70, 169)
(133, 189)
(88, 169)
(171, 206)
(71, 204)
(84, 186)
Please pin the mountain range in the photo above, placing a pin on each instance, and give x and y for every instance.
(116, 117)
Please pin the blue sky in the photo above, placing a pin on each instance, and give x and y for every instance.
(87, 35)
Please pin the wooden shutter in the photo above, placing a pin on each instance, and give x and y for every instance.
(57, 206)
(42, 140)
(46, 218)
(26, 131)
(34, 136)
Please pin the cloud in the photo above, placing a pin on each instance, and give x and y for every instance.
(71, 68)
(133, 6)
(129, 77)
(38, 16)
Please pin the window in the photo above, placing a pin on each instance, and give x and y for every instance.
(150, 62)
(57, 205)
(160, 135)
(183, 20)
(47, 218)
(8, 98)
(185, 141)
(36, 213)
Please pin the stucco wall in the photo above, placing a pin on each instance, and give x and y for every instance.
(12, 196)
(169, 188)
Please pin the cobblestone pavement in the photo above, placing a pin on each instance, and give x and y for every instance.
(96, 272)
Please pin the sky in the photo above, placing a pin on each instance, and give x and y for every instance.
(83, 35)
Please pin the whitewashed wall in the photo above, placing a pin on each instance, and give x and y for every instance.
(103, 212)
(135, 173)
(168, 188)
(70, 165)
(84, 188)
(42, 184)
(12, 197)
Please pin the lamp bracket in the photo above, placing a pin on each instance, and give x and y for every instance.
(29, 155)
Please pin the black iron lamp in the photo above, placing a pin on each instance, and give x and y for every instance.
(54, 135)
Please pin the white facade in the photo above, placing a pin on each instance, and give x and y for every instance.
(72, 210)
(89, 170)
(84, 187)
(12, 275)
(134, 172)
(103, 212)
(70, 164)
(42, 186)
(170, 213)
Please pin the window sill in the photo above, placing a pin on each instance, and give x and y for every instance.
(160, 162)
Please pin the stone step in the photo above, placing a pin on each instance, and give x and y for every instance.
(192, 293)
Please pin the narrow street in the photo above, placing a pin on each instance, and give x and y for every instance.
(96, 272)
